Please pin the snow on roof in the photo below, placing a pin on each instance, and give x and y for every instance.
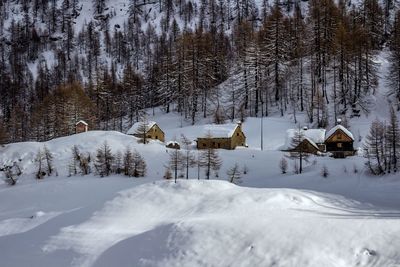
(219, 130)
(136, 126)
(314, 136)
(339, 127)
(311, 142)
(172, 143)
(81, 121)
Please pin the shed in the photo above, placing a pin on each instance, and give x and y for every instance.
(173, 145)
(81, 127)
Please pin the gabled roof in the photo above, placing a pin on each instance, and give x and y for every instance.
(314, 136)
(136, 126)
(311, 142)
(336, 128)
(219, 130)
(81, 121)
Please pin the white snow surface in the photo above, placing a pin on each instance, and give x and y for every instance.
(214, 223)
(339, 127)
(347, 219)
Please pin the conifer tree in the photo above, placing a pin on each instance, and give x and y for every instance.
(375, 148)
(188, 159)
(234, 174)
(104, 160)
(393, 140)
(299, 153)
(175, 162)
(210, 160)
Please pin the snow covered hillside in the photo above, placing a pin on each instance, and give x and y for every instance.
(191, 223)
(347, 219)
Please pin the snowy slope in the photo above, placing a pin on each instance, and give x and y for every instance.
(203, 223)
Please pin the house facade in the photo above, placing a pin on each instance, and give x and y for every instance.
(153, 131)
(339, 142)
(222, 136)
(81, 127)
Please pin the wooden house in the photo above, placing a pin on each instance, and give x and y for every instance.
(222, 136)
(339, 141)
(81, 127)
(153, 131)
(312, 141)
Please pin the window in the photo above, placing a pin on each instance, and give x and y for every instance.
(204, 145)
(237, 134)
(339, 145)
(339, 136)
(219, 145)
(156, 137)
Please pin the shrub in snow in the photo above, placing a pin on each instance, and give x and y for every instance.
(48, 157)
(39, 159)
(167, 174)
(296, 168)
(79, 163)
(234, 174)
(355, 168)
(324, 171)
(245, 169)
(11, 173)
(283, 165)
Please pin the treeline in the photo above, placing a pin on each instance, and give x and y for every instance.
(382, 146)
(229, 58)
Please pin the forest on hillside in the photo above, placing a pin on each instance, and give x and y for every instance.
(226, 59)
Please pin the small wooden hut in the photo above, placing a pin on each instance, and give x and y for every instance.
(173, 145)
(81, 127)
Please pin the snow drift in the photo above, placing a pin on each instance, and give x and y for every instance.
(214, 223)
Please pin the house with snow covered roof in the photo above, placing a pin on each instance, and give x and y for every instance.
(81, 127)
(225, 136)
(149, 130)
(339, 141)
(312, 140)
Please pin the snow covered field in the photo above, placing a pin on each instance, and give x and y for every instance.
(271, 219)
